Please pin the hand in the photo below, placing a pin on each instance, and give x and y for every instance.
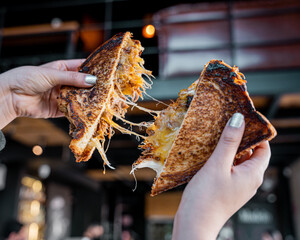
(32, 91)
(219, 189)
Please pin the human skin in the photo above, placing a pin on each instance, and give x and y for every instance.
(219, 189)
(31, 91)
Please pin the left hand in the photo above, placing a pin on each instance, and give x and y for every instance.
(31, 91)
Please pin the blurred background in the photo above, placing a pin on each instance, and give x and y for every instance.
(43, 187)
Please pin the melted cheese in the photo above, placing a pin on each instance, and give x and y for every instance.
(129, 85)
(149, 163)
(162, 133)
(165, 131)
(121, 129)
(129, 73)
(102, 153)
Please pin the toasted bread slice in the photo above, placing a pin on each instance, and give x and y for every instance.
(119, 69)
(185, 134)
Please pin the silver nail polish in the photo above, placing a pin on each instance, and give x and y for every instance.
(90, 79)
(236, 120)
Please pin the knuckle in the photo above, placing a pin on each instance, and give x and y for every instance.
(74, 77)
(58, 64)
(230, 139)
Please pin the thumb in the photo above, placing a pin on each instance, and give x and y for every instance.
(70, 78)
(229, 142)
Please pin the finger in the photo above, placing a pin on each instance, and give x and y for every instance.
(58, 114)
(260, 157)
(229, 142)
(255, 167)
(64, 65)
(70, 78)
(243, 158)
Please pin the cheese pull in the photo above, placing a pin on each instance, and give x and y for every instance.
(185, 134)
(120, 83)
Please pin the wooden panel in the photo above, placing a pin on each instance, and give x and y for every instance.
(40, 29)
(290, 100)
(262, 29)
(164, 205)
(286, 123)
(190, 27)
(189, 63)
(121, 173)
(266, 35)
(31, 131)
(268, 57)
(191, 13)
(248, 8)
(194, 35)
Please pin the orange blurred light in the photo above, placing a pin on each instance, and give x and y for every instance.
(37, 150)
(148, 31)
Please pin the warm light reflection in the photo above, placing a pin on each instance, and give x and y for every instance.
(33, 231)
(37, 150)
(37, 186)
(27, 181)
(35, 208)
(148, 31)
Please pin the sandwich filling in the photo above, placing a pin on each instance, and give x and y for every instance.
(162, 133)
(128, 86)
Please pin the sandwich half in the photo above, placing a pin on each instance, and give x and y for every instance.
(119, 70)
(185, 134)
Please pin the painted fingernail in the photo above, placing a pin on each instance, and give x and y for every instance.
(90, 79)
(236, 120)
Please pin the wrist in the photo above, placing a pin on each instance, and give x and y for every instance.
(196, 225)
(7, 111)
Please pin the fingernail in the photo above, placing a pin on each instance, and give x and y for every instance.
(90, 79)
(236, 120)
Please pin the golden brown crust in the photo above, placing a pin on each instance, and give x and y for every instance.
(220, 93)
(119, 70)
(83, 107)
